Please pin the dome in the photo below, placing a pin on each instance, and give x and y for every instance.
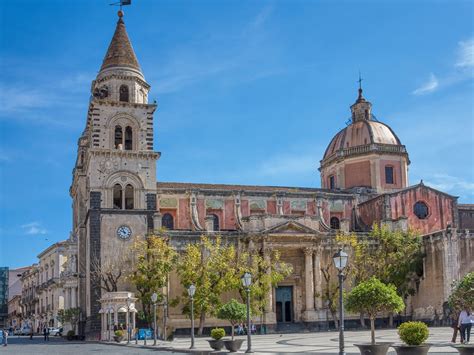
(360, 133)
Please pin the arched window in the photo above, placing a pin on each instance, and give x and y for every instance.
(118, 137)
(389, 174)
(332, 182)
(167, 221)
(335, 223)
(128, 138)
(215, 222)
(124, 93)
(129, 197)
(117, 196)
(421, 210)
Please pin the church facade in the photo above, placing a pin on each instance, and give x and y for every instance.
(364, 180)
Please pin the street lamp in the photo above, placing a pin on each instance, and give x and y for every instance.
(191, 292)
(154, 298)
(340, 262)
(129, 302)
(247, 281)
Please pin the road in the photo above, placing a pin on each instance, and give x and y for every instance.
(59, 346)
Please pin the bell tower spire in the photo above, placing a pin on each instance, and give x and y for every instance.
(361, 109)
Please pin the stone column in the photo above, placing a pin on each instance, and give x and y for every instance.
(308, 279)
(73, 297)
(318, 278)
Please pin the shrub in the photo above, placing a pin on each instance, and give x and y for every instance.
(413, 333)
(119, 333)
(217, 333)
(70, 334)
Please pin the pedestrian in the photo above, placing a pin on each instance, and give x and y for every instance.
(253, 329)
(465, 324)
(455, 326)
(5, 337)
(31, 333)
(46, 333)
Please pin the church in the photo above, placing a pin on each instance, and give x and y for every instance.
(364, 180)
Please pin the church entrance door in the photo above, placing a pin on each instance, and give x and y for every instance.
(284, 304)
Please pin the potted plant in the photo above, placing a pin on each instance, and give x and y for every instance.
(71, 334)
(234, 312)
(413, 334)
(217, 334)
(373, 297)
(118, 335)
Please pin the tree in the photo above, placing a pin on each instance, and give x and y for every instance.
(462, 295)
(208, 265)
(109, 271)
(154, 260)
(330, 293)
(70, 315)
(373, 297)
(267, 271)
(394, 257)
(234, 312)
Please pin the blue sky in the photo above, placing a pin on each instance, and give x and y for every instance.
(249, 92)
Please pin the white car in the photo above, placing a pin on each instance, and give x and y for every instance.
(55, 331)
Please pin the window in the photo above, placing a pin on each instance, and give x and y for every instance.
(124, 93)
(129, 197)
(118, 137)
(167, 221)
(117, 197)
(215, 222)
(389, 175)
(335, 223)
(421, 210)
(332, 182)
(128, 138)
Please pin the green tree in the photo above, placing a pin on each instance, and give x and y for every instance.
(208, 264)
(373, 297)
(394, 257)
(267, 271)
(462, 295)
(154, 260)
(234, 312)
(330, 292)
(70, 315)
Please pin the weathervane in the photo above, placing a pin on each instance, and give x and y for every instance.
(122, 3)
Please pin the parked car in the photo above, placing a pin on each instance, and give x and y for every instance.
(55, 331)
(23, 331)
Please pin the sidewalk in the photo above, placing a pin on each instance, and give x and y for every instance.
(321, 343)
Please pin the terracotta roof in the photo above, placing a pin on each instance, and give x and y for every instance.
(120, 52)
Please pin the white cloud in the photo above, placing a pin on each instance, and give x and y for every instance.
(465, 54)
(34, 228)
(448, 183)
(430, 86)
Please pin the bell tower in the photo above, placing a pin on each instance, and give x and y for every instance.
(114, 180)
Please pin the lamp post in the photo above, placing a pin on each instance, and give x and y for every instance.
(246, 282)
(129, 301)
(154, 298)
(191, 292)
(340, 262)
(165, 315)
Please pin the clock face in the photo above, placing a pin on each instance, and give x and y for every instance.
(124, 232)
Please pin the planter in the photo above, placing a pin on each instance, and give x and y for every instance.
(118, 339)
(216, 344)
(233, 345)
(412, 349)
(464, 349)
(373, 349)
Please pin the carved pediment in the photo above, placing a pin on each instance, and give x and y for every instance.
(290, 227)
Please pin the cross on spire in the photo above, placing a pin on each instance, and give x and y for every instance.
(360, 81)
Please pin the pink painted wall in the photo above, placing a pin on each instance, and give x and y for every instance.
(229, 214)
(184, 221)
(271, 206)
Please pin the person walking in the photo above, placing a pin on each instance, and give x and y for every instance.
(46, 333)
(455, 326)
(5, 337)
(465, 325)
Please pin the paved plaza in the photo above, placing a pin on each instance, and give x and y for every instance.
(321, 342)
(59, 346)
